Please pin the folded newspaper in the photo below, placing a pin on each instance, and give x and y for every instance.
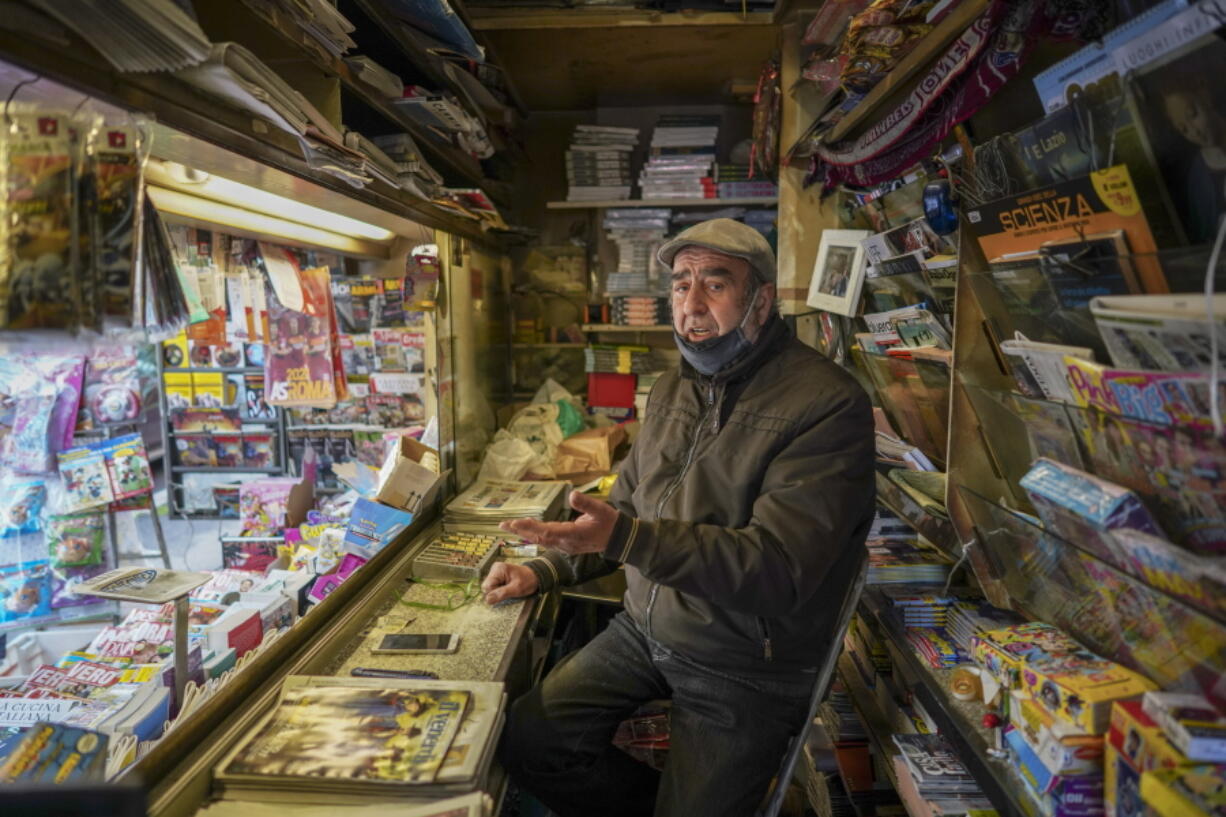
(487, 502)
(144, 584)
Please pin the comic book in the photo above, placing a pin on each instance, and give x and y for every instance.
(1163, 398)
(54, 753)
(128, 466)
(87, 484)
(375, 734)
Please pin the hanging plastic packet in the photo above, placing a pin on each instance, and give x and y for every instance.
(22, 500)
(75, 540)
(113, 392)
(39, 259)
(47, 392)
(118, 155)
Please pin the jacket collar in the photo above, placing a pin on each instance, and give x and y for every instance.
(772, 337)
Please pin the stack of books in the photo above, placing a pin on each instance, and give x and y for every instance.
(967, 618)
(682, 153)
(488, 502)
(896, 561)
(620, 359)
(639, 310)
(598, 163)
(733, 182)
(637, 233)
(932, 779)
(340, 740)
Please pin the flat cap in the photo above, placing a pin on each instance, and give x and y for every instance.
(729, 237)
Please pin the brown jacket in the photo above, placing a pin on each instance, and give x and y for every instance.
(745, 503)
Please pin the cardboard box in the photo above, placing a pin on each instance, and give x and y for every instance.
(1065, 679)
(1135, 745)
(404, 482)
(1190, 722)
(1186, 791)
(373, 526)
(1058, 747)
(1055, 795)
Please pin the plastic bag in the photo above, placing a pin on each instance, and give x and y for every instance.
(507, 458)
(570, 421)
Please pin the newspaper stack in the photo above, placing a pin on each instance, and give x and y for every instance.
(328, 29)
(413, 173)
(638, 233)
(598, 163)
(682, 153)
(488, 502)
(968, 618)
(134, 35)
(337, 740)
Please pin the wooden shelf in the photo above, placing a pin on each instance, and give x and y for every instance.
(495, 18)
(609, 327)
(603, 205)
(444, 157)
(549, 345)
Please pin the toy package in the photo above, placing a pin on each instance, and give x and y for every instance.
(75, 540)
(1191, 723)
(1055, 795)
(1135, 745)
(1061, 750)
(113, 391)
(1065, 679)
(1186, 791)
(257, 450)
(25, 591)
(22, 500)
(65, 581)
(373, 526)
(262, 506)
(1082, 508)
(38, 287)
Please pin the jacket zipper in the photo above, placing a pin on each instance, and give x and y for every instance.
(765, 631)
(668, 492)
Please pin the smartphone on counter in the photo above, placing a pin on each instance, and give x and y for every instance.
(394, 643)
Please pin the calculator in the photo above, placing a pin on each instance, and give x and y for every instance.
(457, 556)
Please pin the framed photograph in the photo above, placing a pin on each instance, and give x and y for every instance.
(839, 272)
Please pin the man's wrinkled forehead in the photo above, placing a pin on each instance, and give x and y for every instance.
(704, 260)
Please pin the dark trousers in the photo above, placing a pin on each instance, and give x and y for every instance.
(728, 736)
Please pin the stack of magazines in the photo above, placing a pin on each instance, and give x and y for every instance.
(341, 740)
(929, 771)
(488, 502)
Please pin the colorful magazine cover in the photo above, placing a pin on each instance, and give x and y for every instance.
(55, 753)
(346, 733)
(299, 369)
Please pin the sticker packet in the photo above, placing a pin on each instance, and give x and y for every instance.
(75, 540)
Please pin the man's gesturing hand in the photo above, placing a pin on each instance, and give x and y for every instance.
(508, 581)
(588, 534)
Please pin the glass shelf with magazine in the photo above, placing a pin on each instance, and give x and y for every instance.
(1046, 296)
(1150, 625)
(915, 396)
(940, 532)
(960, 722)
(1178, 472)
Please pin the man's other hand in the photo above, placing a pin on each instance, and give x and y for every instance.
(508, 581)
(588, 534)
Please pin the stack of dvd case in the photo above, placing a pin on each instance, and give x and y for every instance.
(598, 163)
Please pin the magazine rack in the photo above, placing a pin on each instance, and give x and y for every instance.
(1117, 615)
(915, 395)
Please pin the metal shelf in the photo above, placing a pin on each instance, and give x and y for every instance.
(602, 205)
(213, 370)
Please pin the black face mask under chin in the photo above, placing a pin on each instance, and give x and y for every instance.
(713, 355)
